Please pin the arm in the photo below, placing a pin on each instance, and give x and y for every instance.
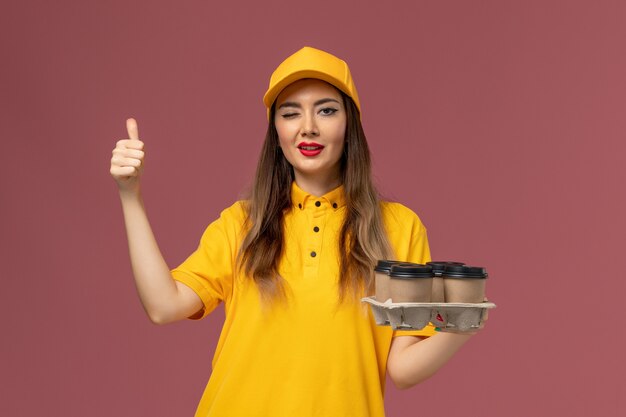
(414, 359)
(163, 299)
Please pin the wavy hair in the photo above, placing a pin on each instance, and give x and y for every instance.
(362, 240)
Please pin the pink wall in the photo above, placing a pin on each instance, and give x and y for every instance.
(502, 124)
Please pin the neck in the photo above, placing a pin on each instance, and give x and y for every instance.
(316, 185)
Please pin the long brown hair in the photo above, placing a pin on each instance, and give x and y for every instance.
(362, 239)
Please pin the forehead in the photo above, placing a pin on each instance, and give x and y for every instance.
(308, 88)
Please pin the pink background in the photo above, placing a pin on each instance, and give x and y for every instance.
(500, 123)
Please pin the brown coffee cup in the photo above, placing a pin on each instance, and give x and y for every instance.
(438, 289)
(383, 293)
(411, 283)
(464, 284)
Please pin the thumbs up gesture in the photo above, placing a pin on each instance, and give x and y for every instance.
(127, 161)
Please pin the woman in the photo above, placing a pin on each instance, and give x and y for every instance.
(292, 262)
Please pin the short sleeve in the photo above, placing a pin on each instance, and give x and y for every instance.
(427, 331)
(209, 270)
(407, 234)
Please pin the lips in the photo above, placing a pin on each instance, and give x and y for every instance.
(310, 148)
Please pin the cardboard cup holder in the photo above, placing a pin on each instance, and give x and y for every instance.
(461, 317)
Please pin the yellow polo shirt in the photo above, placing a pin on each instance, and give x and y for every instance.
(311, 357)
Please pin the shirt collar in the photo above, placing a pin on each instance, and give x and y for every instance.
(333, 199)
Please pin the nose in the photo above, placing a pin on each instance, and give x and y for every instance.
(309, 126)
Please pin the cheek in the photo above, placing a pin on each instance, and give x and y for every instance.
(283, 142)
(285, 135)
(281, 136)
(338, 134)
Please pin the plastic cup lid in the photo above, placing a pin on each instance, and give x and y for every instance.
(465, 271)
(410, 270)
(384, 266)
(439, 266)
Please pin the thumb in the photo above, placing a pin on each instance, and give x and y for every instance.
(133, 130)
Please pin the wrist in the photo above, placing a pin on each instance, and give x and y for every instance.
(130, 195)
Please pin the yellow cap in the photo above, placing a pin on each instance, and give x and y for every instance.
(311, 63)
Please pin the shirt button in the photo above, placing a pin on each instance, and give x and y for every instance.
(334, 205)
(316, 229)
(317, 204)
(313, 254)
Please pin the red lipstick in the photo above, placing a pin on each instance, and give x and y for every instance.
(310, 148)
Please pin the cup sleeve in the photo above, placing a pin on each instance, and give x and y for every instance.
(208, 271)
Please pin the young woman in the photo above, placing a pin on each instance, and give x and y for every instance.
(292, 262)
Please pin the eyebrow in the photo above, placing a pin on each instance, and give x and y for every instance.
(317, 103)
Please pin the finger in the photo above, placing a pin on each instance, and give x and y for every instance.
(133, 130)
(125, 152)
(129, 144)
(127, 162)
(131, 153)
(124, 171)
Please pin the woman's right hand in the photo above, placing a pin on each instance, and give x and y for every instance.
(127, 160)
